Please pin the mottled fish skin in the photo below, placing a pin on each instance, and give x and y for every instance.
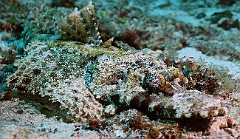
(84, 75)
(120, 81)
(112, 78)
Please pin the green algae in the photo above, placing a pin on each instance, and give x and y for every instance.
(88, 49)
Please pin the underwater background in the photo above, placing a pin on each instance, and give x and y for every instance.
(119, 69)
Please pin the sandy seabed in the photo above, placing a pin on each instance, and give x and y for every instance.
(175, 28)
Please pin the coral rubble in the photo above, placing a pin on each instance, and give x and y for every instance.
(21, 120)
(111, 89)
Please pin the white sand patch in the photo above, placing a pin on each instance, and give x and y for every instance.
(234, 68)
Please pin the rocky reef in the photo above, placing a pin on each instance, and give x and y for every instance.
(111, 86)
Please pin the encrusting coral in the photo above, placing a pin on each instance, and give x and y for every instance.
(98, 82)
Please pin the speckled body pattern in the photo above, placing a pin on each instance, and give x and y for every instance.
(121, 81)
(110, 76)
(96, 81)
